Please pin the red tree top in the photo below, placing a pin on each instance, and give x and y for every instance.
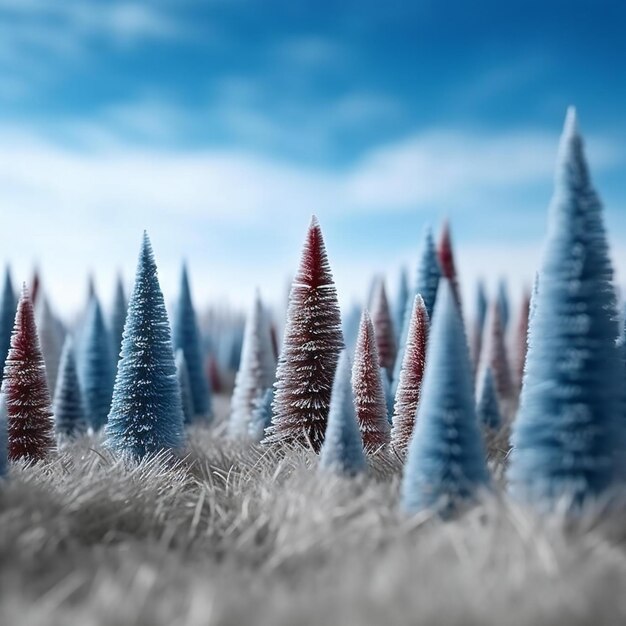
(29, 413)
(383, 328)
(446, 260)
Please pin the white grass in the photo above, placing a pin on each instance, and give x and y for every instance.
(234, 536)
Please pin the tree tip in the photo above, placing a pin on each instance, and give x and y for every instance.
(571, 122)
(315, 223)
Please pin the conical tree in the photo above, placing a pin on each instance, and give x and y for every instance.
(118, 317)
(342, 452)
(51, 337)
(29, 415)
(496, 356)
(186, 336)
(402, 296)
(383, 328)
(261, 415)
(70, 416)
(257, 369)
(146, 414)
(478, 327)
(426, 284)
(446, 461)
(182, 374)
(569, 423)
(8, 306)
(446, 261)
(410, 383)
(368, 389)
(488, 409)
(311, 347)
(96, 366)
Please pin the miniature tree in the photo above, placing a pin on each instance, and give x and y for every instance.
(70, 416)
(51, 337)
(383, 328)
(146, 414)
(96, 366)
(521, 339)
(311, 347)
(186, 336)
(478, 327)
(410, 383)
(446, 261)
(261, 415)
(257, 369)
(186, 399)
(496, 356)
(342, 451)
(426, 284)
(402, 297)
(368, 389)
(8, 306)
(488, 409)
(568, 437)
(118, 317)
(445, 461)
(29, 415)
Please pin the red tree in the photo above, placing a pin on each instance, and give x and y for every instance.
(522, 339)
(369, 393)
(411, 374)
(384, 330)
(29, 413)
(310, 351)
(446, 260)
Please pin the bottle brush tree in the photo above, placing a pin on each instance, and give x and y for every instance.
(311, 347)
(426, 284)
(568, 436)
(70, 416)
(445, 253)
(446, 462)
(410, 383)
(30, 433)
(186, 335)
(96, 366)
(342, 451)
(368, 389)
(383, 328)
(257, 369)
(146, 414)
(186, 399)
(488, 409)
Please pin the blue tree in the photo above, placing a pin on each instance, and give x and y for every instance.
(446, 461)
(426, 284)
(146, 414)
(186, 337)
(70, 416)
(567, 429)
(185, 387)
(96, 366)
(488, 409)
(342, 451)
(8, 307)
(118, 317)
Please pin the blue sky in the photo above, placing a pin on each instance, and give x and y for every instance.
(220, 126)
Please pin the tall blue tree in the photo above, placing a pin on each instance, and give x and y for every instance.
(146, 414)
(571, 414)
(186, 337)
(446, 461)
(70, 416)
(118, 317)
(96, 366)
(342, 451)
(8, 307)
(426, 284)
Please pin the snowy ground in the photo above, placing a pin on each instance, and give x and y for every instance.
(236, 536)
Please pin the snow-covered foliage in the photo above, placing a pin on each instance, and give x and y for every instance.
(311, 347)
(186, 336)
(383, 328)
(342, 451)
(182, 373)
(570, 420)
(29, 414)
(369, 393)
(257, 369)
(410, 383)
(95, 366)
(445, 461)
(70, 415)
(146, 414)
(488, 409)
